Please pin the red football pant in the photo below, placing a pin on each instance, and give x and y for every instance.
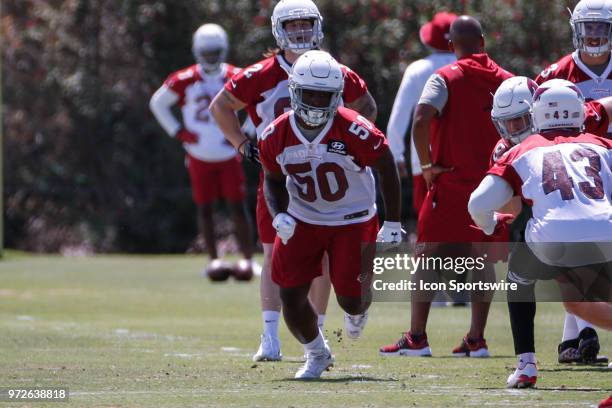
(299, 261)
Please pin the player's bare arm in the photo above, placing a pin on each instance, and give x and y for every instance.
(275, 192)
(224, 108)
(423, 115)
(389, 185)
(366, 105)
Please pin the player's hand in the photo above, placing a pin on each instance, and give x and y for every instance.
(284, 224)
(390, 233)
(249, 151)
(401, 169)
(501, 223)
(185, 136)
(430, 174)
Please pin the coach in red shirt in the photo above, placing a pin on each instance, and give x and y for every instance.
(454, 137)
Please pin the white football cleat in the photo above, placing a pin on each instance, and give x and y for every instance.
(315, 364)
(354, 324)
(269, 349)
(525, 376)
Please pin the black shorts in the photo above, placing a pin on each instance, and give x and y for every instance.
(591, 282)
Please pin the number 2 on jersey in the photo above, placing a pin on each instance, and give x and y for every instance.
(203, 102)
(555, 176)
(307, 190)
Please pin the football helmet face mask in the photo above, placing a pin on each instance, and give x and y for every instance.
(303, 37)
(210, 46)
(511, 109)
(591, 23)
(558, 104)
(313, 73)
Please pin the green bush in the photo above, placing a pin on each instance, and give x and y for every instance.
(85, 159)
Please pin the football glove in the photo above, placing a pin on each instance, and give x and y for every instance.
(284, 224)
(250, 152)
(185, 136)
(390, 233)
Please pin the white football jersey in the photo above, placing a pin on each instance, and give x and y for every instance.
(196, 90)
(328, 180)
(568, 182)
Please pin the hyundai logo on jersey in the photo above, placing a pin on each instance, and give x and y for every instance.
(335, 146)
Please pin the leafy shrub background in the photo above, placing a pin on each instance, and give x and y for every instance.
(85, 163)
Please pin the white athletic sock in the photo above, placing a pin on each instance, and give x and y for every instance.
(321, 321)
(527, 358)
(570, 328)
(582, 324)
(270, 322)
(317, 346)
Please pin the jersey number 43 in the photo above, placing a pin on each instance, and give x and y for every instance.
(555, 176)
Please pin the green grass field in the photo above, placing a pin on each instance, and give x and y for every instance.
(149, 331)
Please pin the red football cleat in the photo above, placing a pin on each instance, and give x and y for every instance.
(472, 348)
(525, 376)
(408, 345)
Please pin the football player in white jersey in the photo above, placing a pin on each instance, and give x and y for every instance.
(590, 68)
(320, 190)
(512, 117)
(262, 90)
(214, 166)
(566, 175)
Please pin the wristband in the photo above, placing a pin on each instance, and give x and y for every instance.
(240, 145)
(426, 166)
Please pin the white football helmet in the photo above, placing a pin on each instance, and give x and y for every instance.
(297, 41)
(591, 20)
(315, 71)
(558, 104)
(210, 46)
(511, 109)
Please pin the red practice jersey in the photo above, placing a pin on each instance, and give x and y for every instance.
(264, 88)
(574, 70)
(328, 180)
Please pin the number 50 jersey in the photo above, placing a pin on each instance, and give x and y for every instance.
(567, 179)
(328, 180)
